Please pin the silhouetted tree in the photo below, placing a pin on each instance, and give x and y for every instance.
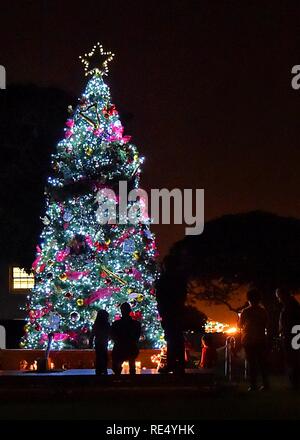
(256, 248)
(215, 291)
(193, 319)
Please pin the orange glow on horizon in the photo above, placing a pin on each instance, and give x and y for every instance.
(231, 330)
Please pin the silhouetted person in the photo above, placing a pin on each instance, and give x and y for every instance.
(125, 333)
(253, 323)
(171, 296)
(171, 311)
(289, 316)
(100, 335)
(209, 353)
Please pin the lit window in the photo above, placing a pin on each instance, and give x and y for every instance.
(21, 280)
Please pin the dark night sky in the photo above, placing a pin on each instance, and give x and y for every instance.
(208, 83)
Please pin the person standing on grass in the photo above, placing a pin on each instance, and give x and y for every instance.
(289, 317)
(125, 334)
(100, 336)
(253, 324)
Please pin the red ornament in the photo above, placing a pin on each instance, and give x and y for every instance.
(72, 335)
(112, 110)
(109, 111)
(101, 247)
(136, 315)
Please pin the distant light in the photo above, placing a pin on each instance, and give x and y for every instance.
(231, 330)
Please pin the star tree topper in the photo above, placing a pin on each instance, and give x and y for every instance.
(96, 61)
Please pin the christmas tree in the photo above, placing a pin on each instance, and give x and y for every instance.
(85, 262)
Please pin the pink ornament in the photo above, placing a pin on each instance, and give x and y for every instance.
(70, 123)
(41, 268)
(44, 338)
(36, 262)
(104, 292)
(126, 139)
(62, 255)
(38, 258)
(98, 131)
(74, 276)
(136, 273)
(68, 134)
(116, 132)
(60, 336)
(89, 241)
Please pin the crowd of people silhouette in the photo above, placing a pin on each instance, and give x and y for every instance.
(253, 324)
(124, 332)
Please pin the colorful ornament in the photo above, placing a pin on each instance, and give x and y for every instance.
(53, 320)
(89, 151)
(128, 246)
(74, 316)
(67, 216)
(63, 277)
